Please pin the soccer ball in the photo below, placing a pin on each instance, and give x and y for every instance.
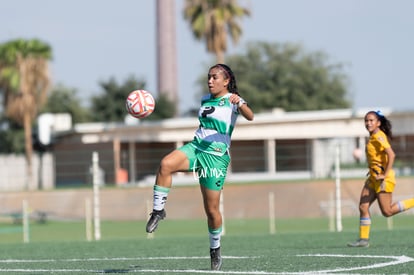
(140, 103)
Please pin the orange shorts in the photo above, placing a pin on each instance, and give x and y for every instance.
(387, 185)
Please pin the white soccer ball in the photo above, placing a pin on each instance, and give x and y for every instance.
(140, 103)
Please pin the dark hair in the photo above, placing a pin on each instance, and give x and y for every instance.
(228, 74)
(385, 123)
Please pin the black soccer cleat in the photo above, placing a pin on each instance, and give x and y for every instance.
(216, 260)
(156, 216)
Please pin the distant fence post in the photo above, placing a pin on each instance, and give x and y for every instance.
(272, 214)
(26, 232)
(338, 190)
(96, 206)
(149, 210)
(221, 206)
(88, 219)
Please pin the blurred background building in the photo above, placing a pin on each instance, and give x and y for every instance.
(276, 145)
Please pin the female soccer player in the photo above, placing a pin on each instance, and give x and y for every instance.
(381, 181)
(207, 155)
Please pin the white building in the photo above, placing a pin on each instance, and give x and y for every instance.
(275, 145)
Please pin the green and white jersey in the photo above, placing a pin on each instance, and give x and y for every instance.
(217, 118)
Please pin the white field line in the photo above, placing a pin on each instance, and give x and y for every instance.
(164, 271)
(117, 259)
(395, 261)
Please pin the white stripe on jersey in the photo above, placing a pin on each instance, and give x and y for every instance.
(211, 135)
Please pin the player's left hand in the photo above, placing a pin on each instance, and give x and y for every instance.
(234, 99)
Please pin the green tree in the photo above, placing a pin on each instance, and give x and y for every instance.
(64, 100)
(272, 75)
(213, 20)
(24, 82)
(164, 108)
(110, 105)
(11, 137)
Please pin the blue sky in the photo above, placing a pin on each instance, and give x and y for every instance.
(95, 39)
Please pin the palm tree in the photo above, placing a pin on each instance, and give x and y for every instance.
(212, 20)
(24, 82)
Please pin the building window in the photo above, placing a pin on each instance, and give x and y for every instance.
(293, 155)
(247, 156)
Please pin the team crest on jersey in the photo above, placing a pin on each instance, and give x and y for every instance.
(221, 102)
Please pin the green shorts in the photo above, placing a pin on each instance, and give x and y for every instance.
(209, 169)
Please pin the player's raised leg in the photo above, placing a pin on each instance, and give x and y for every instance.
(171, 163)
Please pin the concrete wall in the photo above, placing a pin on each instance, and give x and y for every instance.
(241, 201)
(14, 173)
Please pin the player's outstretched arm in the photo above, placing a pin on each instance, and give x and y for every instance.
(246, 111)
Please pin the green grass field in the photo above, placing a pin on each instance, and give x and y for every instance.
(303, 246)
